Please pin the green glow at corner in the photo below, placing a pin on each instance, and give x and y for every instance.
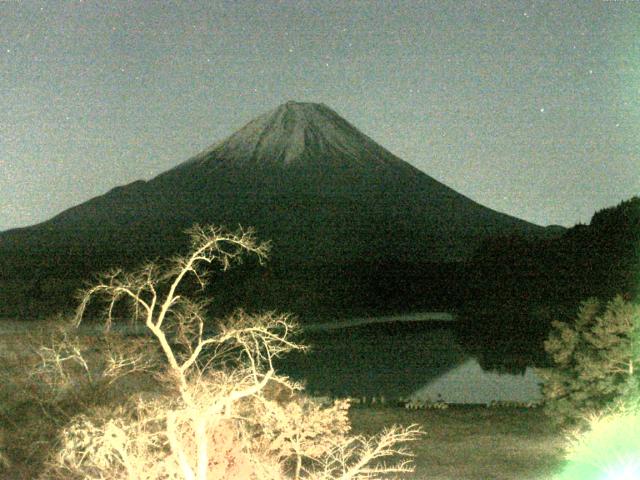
(626, 470)
(629, 470)
(608, 450)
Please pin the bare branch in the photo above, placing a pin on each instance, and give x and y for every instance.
(216, 382)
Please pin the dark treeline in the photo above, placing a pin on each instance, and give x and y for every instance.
(313, 291)
(37, 282)
(40, 275)
(517, 286)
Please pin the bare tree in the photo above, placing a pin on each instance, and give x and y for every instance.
(215, 420)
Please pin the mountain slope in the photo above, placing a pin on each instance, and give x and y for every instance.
(322, 191)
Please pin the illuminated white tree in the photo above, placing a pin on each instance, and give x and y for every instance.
(215, 418)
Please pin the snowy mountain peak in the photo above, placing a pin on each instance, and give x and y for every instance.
(297, 133)
(302, 110)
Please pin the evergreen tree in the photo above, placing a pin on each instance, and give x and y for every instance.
(597, 360)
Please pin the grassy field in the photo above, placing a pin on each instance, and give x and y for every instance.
(474, 443)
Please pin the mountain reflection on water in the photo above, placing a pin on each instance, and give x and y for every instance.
(420, 359)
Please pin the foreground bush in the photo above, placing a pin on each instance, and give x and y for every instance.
(51, 373)
(220, 411)
(596, 360)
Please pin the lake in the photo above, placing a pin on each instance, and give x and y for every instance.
(420, 359)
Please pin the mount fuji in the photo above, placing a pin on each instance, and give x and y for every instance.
(324, 193)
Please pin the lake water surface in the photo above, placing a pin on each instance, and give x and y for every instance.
(408, 359)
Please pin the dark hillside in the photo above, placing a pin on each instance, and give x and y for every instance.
(519, 285)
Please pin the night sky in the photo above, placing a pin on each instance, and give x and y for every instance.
(530, 108)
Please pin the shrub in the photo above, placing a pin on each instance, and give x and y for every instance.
(596, 360)
(212, 416)
(51, 373)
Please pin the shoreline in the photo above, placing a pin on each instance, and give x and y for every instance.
(358, 321)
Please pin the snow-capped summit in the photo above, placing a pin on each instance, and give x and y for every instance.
(294, 133)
